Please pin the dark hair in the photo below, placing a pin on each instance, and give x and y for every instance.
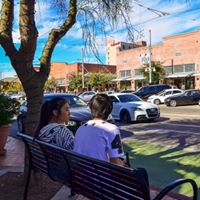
(101, 106)
(46, 112)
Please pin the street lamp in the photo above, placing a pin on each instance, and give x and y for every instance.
(83, 81)
(150, 69)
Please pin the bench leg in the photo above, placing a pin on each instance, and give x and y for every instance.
(27, 183)
(72, 194)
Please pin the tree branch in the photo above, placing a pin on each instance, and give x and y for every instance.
(6, 24)
(27, 28)
(55, 35)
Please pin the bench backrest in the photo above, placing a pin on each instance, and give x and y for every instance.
(90, 177)
(97, 179)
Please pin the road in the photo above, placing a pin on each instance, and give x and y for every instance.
(178, 127)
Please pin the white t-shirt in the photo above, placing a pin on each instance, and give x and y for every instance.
(99, 139)
(57, 134)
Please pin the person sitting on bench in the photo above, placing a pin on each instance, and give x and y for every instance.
(51, 128)
(98, 138)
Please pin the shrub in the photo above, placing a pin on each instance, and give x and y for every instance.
(8, 108)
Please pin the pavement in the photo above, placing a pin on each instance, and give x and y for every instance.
(13, 161)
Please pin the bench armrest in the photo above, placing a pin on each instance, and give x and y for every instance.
(176, 183)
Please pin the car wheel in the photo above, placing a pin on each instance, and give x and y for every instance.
(156, 101)
(125, 116)
(20, 124)
(172, 103)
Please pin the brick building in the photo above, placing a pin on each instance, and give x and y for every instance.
(179, 55)
(62, 71)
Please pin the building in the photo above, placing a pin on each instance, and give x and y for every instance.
(112, 48)
(179, 55)
(62, 72)
(7, 74)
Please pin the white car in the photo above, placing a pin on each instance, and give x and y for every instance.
(160, 97)
(129, 107)
(86, 96)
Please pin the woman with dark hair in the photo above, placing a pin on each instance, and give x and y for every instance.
(51, 128)
(98, 138)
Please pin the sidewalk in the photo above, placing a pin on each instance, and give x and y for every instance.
(14, 162)
(14, 159)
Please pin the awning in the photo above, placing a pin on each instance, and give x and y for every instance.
(119, 79)
(180, 75)
(139, 78)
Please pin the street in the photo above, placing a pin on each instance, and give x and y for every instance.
(178, 127)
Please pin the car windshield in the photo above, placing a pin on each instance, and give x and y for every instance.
(128, 98)
(73, 101)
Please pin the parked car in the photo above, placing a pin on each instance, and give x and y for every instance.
(127, 91)
(146, 91)
(86, 96)
(189, 97)
(79, 111)
(129, 107)
(160, 97)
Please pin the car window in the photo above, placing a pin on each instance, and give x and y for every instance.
(176, 91)
(128, 98)
(114, 99)
(188, 93)
(91, 93)
(195, 93)
(168, 93)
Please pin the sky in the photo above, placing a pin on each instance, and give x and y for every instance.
(162, 17)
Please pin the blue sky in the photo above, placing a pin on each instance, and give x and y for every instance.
(163, 17)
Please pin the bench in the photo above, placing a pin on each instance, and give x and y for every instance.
(92, 178)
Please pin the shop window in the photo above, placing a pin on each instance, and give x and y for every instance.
(138, 72)
(125, 73)
(168, 70)
(178, 69)
(178, 54)
(190, 68)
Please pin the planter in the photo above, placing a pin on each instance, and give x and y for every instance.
(4, 131)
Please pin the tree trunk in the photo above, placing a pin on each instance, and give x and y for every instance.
(33, 83)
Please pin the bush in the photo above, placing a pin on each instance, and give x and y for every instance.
(8, 108)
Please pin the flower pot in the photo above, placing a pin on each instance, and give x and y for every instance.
(4, 131)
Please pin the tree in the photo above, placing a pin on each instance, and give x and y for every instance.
(157, 74)
(95, 79)
(50, 85)
(11, 87)
(75, 81)
(94, 15)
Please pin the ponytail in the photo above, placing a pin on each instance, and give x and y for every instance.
(44, 117)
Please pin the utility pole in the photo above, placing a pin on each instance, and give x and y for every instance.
(83, 81)
(150, 69)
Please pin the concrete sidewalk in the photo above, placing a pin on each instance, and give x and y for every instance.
(13, 161)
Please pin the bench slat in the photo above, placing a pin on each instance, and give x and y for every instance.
(110, 174)
(117, 187)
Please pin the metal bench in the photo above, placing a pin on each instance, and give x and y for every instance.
(90, 177)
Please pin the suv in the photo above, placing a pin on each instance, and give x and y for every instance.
(146, 91)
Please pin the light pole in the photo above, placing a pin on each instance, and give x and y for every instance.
(150, 69)
(83, 81)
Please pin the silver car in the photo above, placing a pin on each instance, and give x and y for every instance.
(86, 96)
